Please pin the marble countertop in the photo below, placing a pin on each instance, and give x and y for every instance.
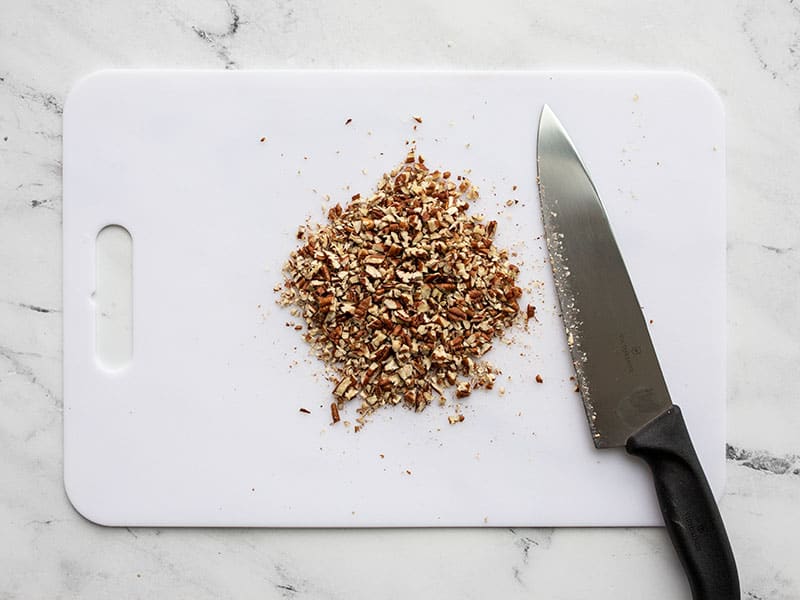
(749, 50)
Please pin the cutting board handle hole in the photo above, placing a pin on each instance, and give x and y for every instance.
(113, 297)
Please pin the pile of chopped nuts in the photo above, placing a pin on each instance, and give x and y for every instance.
(401, 291)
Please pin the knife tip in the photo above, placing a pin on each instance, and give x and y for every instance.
(548, 117)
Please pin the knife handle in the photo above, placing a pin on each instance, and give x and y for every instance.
(688, 507)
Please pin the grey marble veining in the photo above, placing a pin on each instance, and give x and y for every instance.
(749, 50)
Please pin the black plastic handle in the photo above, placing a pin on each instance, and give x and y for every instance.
(687, 504)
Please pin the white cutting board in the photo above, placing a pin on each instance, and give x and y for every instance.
(203, 426)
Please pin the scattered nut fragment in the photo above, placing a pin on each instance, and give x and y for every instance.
(348, 121)
(453, 419)
(530, 313)
(539, 379)
(417, 119)
(305, 411)
(402, 290)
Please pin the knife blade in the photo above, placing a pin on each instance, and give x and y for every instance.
(624, 393)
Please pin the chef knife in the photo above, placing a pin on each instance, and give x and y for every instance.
(623, 390)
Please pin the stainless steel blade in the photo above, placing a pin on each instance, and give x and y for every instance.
(618, 372)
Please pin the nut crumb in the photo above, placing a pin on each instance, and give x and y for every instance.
(455, 419)
(262, 140)
(417, 119)
(334, 412)
(539, 379)
(305, 411)
(348, 121)
(530, 313)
